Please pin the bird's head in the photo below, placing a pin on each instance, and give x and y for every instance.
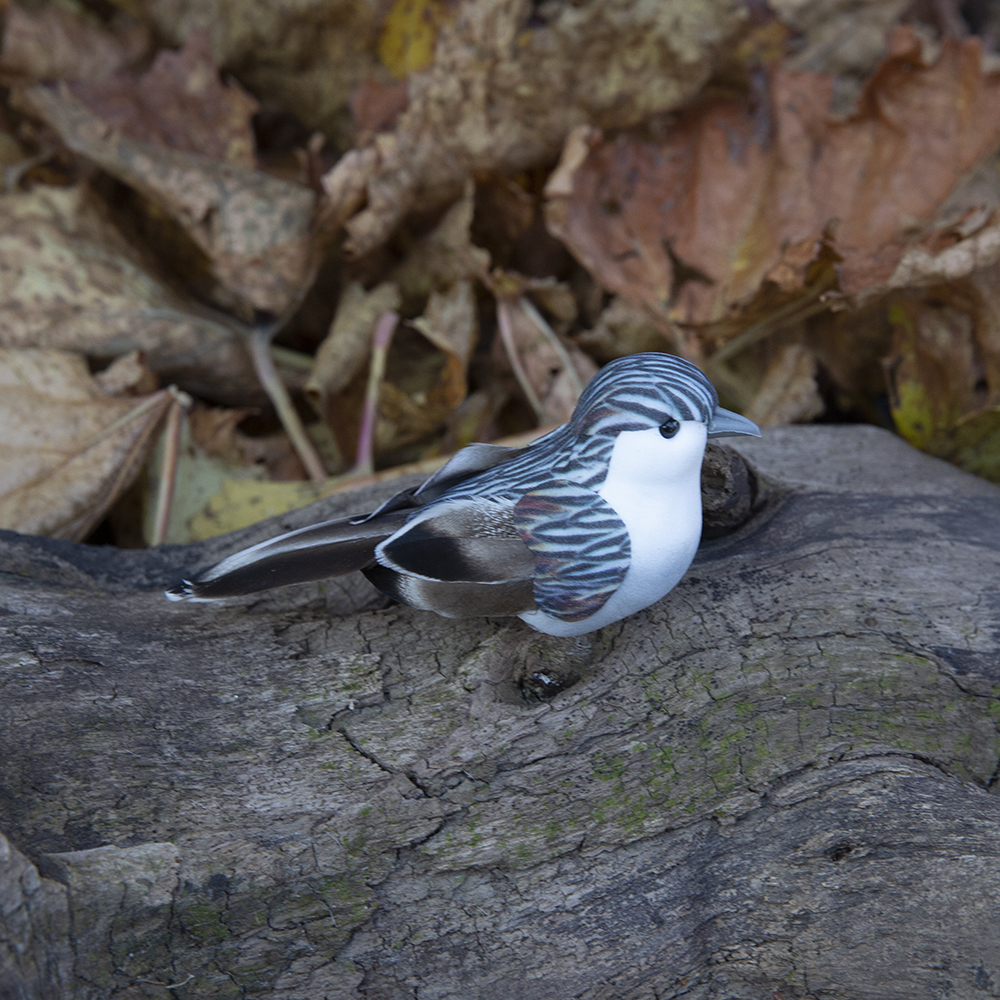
(665, 404)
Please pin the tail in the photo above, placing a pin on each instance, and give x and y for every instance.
(320, 551)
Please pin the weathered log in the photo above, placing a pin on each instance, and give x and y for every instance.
(779, 781)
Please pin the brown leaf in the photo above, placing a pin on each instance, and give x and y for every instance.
(128, 376)
(449, 322)
(740, 198)
(490, 104)
(376, 106)
(944, 399)
(54, 43)
(788, 393)
(69, 450)
(346, 348)
(622, 329)
(68, 280)
(306, 57)
(554, 387)
(253, 228)
(445, 255)
(179, 103)
(426, 382)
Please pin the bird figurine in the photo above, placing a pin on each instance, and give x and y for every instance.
(588, 524)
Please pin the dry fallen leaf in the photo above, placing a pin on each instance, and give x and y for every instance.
(302, 55)
(944, 382)
(54, 43)
(623, 328)
(345, 349)
(788, 393)
(68, 280)
(128, 376)
(253, 228)
(445, 255)
(549, 382)
(426, 375)
(742, 198)
(503, 92)
(376, 106)
(69, 450)
(179, 103)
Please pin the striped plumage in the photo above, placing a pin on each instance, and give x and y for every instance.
(590, 523)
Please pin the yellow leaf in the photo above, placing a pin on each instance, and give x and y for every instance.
(243, 502)
(410, 33)
(933, 388)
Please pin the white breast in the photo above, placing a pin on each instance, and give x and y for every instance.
(654, 485)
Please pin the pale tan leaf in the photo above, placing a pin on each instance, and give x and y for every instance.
(492, 104)
(346, 347)
(788, 394)
(127, 376)
(445, 255)
(69, 450)
(449, 322)
(54, 43)
(69, 281)
(179, 103)
(253, 228)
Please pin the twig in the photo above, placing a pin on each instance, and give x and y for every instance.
(263, 362)
(364, 462)
(168, 465)
(794, 311)
(553, 338)
(507, 336)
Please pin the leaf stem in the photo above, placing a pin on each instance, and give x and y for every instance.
(364, 462)
(263, 362)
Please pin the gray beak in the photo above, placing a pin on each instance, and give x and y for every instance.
(725, 422)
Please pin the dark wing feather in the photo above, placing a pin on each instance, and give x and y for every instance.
(581, 547)
(331, 548)
(464, 541)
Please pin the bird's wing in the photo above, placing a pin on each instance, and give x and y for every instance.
(330, 548)
(461, 558)
(463, 465)
(333, 548)
(581, 548)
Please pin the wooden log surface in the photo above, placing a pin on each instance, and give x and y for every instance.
(780, 781)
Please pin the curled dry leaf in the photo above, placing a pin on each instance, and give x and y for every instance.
(445, 255)
(69, 450)
(743, 198)
(551, 388)
(376, 106)
(346, 348)
(128, 376)
(426, 377)
(788, 393)
(212, 454)
(68, 280)
(944, 379)
(179, 103)
(845, 39)
(623, 328)
(253, 228)
(501, 96)
(54, 43)
(305, 55)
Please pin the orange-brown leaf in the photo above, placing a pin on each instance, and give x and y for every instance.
(743, 193)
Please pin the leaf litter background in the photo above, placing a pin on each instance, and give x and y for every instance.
(251, 254)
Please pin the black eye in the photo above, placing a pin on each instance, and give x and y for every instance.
(670, 427)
